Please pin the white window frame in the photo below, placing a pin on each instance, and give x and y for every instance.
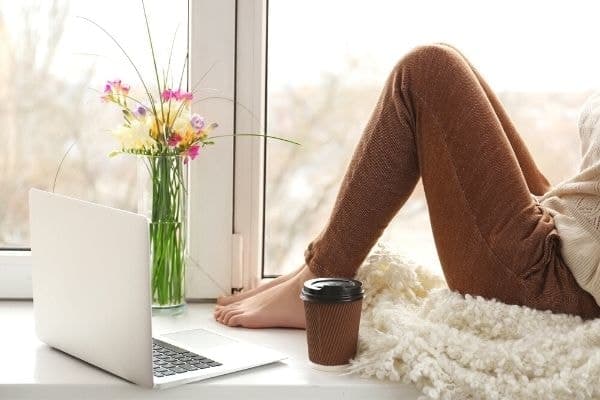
(251, 75)
(212, 56)
(212, 59)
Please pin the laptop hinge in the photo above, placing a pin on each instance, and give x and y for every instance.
(237, 263)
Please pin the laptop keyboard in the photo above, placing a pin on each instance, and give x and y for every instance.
(171, 360)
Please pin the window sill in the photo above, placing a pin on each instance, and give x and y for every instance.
(31, 369)
(15, 274)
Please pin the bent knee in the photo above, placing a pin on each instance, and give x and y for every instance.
(432, 56)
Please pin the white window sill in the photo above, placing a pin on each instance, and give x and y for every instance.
(30, 369)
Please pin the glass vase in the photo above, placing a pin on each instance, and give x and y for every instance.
(164, 201)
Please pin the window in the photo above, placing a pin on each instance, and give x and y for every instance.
(53, 65)
(327, 62)
(258, 203)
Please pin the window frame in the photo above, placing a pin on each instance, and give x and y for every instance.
(209, 272)
(251, 90)
(211, 175)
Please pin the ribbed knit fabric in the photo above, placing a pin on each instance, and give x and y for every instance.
(439, 121)
(575, 204)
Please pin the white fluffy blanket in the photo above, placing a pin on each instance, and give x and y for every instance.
(415, 330)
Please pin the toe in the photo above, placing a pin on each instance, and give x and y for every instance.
(219, 313)
(226, 314)
(235, 320)
(247, 320)
(225, 310)
(238, 320)
(227, 319)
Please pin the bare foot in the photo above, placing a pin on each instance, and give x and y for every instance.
(225, 300)
(277, 307)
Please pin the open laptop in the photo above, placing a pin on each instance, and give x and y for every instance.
(91, 297)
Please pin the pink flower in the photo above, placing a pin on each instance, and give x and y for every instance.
(167, 94)
(178, 95)
(184, 96)
(118, 87)
(115, 88)
(192, 153)
(174, 140)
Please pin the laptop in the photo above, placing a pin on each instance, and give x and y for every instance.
(92, 298)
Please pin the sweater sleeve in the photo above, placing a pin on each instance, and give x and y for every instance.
(581, 254)
(589, 131)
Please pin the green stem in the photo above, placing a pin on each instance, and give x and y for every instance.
(254, 134)
(137, 71)
(167, 232)
(153, 59)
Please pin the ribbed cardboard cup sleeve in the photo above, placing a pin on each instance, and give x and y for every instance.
(332, 331)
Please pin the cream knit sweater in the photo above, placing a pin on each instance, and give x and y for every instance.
(575, 204)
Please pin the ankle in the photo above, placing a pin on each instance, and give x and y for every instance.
(304, 275)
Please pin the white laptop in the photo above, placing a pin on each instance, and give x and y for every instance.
(91, 297)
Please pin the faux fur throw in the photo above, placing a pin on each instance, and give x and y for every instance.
(415, 330)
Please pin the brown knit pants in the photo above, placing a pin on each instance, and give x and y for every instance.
(438, 119)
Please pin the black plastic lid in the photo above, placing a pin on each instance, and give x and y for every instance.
(331, 290)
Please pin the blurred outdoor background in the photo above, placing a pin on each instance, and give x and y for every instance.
(327, 61)
(53, 66)
(327, 64)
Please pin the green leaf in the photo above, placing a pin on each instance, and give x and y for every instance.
(153, 57)
(256, 134)
(115, 153)
(150, 97)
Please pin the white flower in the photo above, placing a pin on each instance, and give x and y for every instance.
(135, 137)
(181, 125)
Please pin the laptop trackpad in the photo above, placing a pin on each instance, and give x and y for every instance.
(199, 339)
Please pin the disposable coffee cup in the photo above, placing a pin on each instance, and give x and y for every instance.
(332, 308)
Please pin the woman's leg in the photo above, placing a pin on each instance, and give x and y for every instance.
(536, 181)
(436, 120)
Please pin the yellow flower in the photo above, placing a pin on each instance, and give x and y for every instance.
(170, 111)
(135, 137)
(166, 116)
(183, 128)
(155, 126)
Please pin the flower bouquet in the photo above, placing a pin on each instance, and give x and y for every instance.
(165, 135)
